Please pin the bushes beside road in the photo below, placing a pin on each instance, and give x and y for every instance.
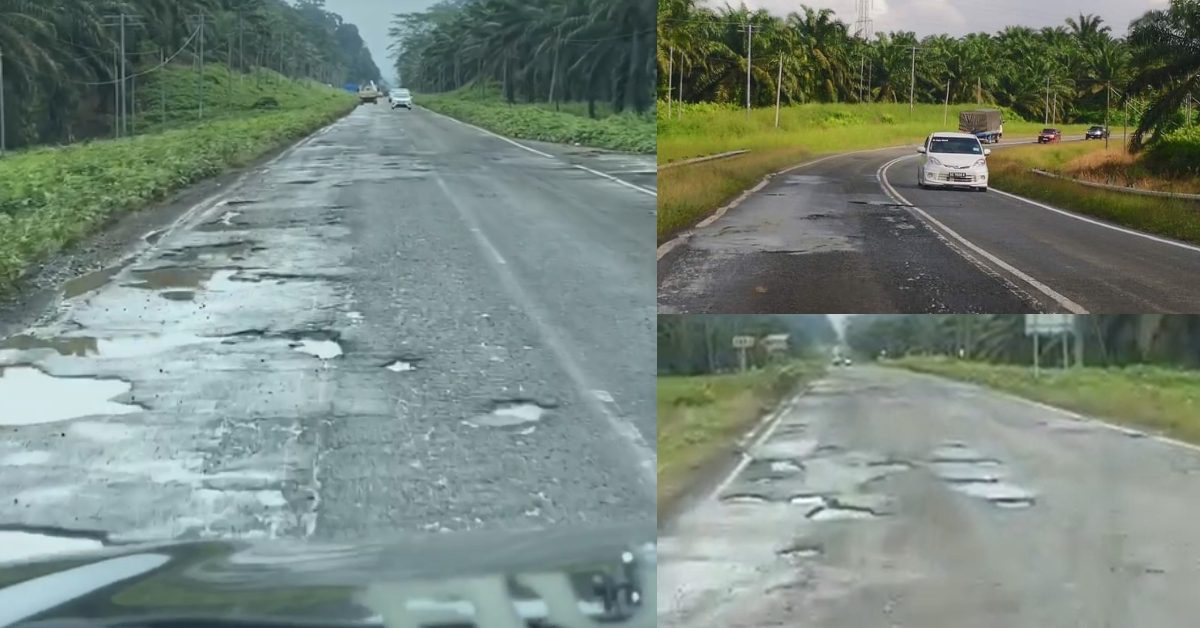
(1154, 398)
(51, 197)
(623, 132)
(700, 418)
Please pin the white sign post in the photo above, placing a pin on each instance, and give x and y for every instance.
(1037, 325)
(741, 343)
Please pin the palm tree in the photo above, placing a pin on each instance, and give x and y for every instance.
(1168, 60)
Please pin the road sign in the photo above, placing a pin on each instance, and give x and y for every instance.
(743, 342)
(775, 343)
(1047, 324)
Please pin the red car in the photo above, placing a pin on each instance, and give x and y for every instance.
(1049, 135)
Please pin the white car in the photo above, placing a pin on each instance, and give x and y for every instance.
(953, 160)
(400, 98)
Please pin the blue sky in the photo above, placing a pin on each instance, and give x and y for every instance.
(958, 17)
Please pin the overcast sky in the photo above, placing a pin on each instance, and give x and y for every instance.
(958, 17)
(373, 18)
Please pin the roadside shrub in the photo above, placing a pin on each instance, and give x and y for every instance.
(1175, 154)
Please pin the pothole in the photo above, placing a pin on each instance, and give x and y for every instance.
(511, 414)
(840, 514)
(171, 277)
(955, 452)
(401, 366)
(785, 466)
(809, 503)
(91, 281)
(999, 493)
(960, 472)
(800, 551)
(323, 349)
(237, 249)
(239, 202)
(114, 347)
(32, 396)
(24, 544)
(744, 498)
(179, 295)
(302, 182)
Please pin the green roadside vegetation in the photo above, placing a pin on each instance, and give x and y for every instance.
(51, 197)
(1154, 398)
(570, 124)
(688, 193)
(1166, 166)
(701, 416)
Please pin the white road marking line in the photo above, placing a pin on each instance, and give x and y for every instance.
(624, 428)
(546, 155)
(772, 422)
(1062, 300)
(1098, 223)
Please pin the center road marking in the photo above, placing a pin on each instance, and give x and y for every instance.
(535, 151)
(1063, 301)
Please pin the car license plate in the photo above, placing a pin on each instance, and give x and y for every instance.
(960, 176)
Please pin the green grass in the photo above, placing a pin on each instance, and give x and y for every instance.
(624, 132)
(700, 417)
(688, 193)
(52, 197)
(1010, 171)
(1160, 400)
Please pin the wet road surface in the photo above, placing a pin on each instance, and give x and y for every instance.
(886, 498)
(400, 324)
(828, 238)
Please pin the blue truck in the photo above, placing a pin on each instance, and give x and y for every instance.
(985, 124)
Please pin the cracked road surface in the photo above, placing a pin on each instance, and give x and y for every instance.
(401, 324)
(887, 498)
(827, 238)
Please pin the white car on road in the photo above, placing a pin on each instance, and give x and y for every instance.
(400, 98)
(953, 160)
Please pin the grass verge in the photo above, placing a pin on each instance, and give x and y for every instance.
(687, 193)
(1010, 170)
(1160, 400)
(624, 132)
(700, 417)
(52, 197)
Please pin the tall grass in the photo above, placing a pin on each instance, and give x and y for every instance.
(701, 417)
(541, 121)
(1158, 399)
(1010, 170)
(687, 193)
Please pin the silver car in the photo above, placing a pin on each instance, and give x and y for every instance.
(400, 98)
(953, 160)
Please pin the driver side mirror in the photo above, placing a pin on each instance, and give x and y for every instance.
(921, 149)
(987, 151)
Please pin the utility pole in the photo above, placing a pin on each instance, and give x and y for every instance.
(946, 106)
(912, 81)
(749, 62)
(121, 22)
(162, 87)
(201, 21)
(670, 79)
(778, 90)
(1046, 116)
(3, 131)
(1107, 104)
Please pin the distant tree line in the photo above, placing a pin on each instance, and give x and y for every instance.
(536, 50)
(1108, 340)
(60, 57)
(1062, 73)
(698, 344)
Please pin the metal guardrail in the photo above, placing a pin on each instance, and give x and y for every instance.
(1118, 188)
(696, 160)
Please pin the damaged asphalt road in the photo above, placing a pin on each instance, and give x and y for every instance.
(886, 498)
(401, 324)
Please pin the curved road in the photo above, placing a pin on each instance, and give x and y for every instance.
(401, 324)
(854, 233)
(881, 497)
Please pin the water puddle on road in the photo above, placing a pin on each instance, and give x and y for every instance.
(236, 250)
(84, 284)
(17, 546)
(179, 295)
(400, 366)
(31, 396)
(323, 349)
(115, 347)
(840, 514)
(511, 414)
(171, 278)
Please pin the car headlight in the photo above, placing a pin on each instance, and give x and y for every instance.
(934, 161)
(979, 163)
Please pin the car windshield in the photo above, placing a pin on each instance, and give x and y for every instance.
(955, 145)
(1097, 128)
(1049, 130)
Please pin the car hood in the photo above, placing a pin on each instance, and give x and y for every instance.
(560, 575)
(956, 160)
